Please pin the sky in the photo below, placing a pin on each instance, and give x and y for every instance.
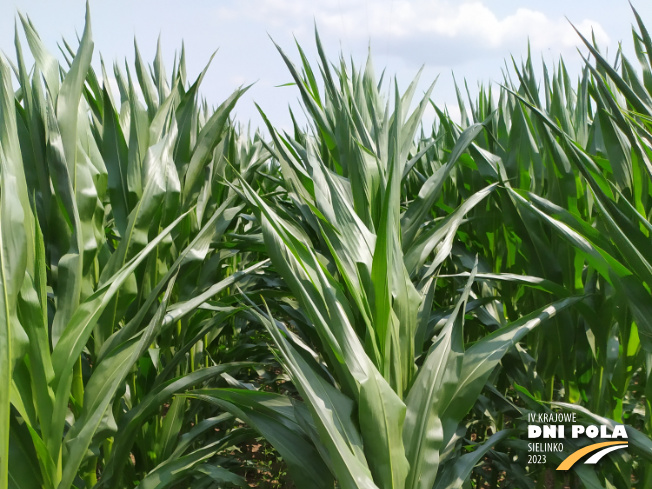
(472, 39)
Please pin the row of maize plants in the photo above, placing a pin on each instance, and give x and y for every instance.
(380, 302)
(117, 279)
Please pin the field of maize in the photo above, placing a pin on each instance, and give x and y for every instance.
(361, 302)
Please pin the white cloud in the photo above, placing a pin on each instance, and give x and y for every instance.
(439, 31)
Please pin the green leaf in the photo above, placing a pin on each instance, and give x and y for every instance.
(272, 415)
(423, 433)
(457, 472)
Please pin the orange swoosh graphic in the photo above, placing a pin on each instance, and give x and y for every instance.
(575, 456)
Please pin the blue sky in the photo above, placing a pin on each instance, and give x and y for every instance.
(471, 38)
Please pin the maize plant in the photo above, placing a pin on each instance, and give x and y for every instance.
(384, 386)
(113, 219)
